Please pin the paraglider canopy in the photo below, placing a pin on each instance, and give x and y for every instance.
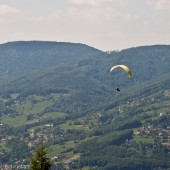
(123, 67)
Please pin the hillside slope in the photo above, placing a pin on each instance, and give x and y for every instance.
(22, 57)
(88, 80)
(76, 110)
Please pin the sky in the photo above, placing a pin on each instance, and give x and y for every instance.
(104, 24)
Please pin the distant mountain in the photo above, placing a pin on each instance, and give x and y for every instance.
(65, 95)
(82, 71)
(22, 57)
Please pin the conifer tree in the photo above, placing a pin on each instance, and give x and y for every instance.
(40, 161)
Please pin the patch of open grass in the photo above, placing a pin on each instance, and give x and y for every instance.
(69, 144)
(54, 115)
(86, 168)
(14, 95)
(140, 139)
(17, 121)
(3, 145)
(29, 107)
(70, 125)
(55, 150)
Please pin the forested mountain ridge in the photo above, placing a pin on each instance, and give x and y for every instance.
(22, 57)
(87, 79)
(73, 106)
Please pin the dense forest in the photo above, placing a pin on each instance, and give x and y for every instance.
(64, 95)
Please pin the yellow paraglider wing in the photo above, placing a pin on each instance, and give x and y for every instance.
(124, 67)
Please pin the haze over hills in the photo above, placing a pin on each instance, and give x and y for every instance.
(75, 67)
(22, 57)
(66, 92)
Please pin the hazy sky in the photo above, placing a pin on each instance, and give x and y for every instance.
(103, 24)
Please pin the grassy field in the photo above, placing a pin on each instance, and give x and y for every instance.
(28, 106)
(14, 95)
(36, 104)
(54, 115)
(140, 139)
(32, 105)
(17, 121)
(70, 125)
